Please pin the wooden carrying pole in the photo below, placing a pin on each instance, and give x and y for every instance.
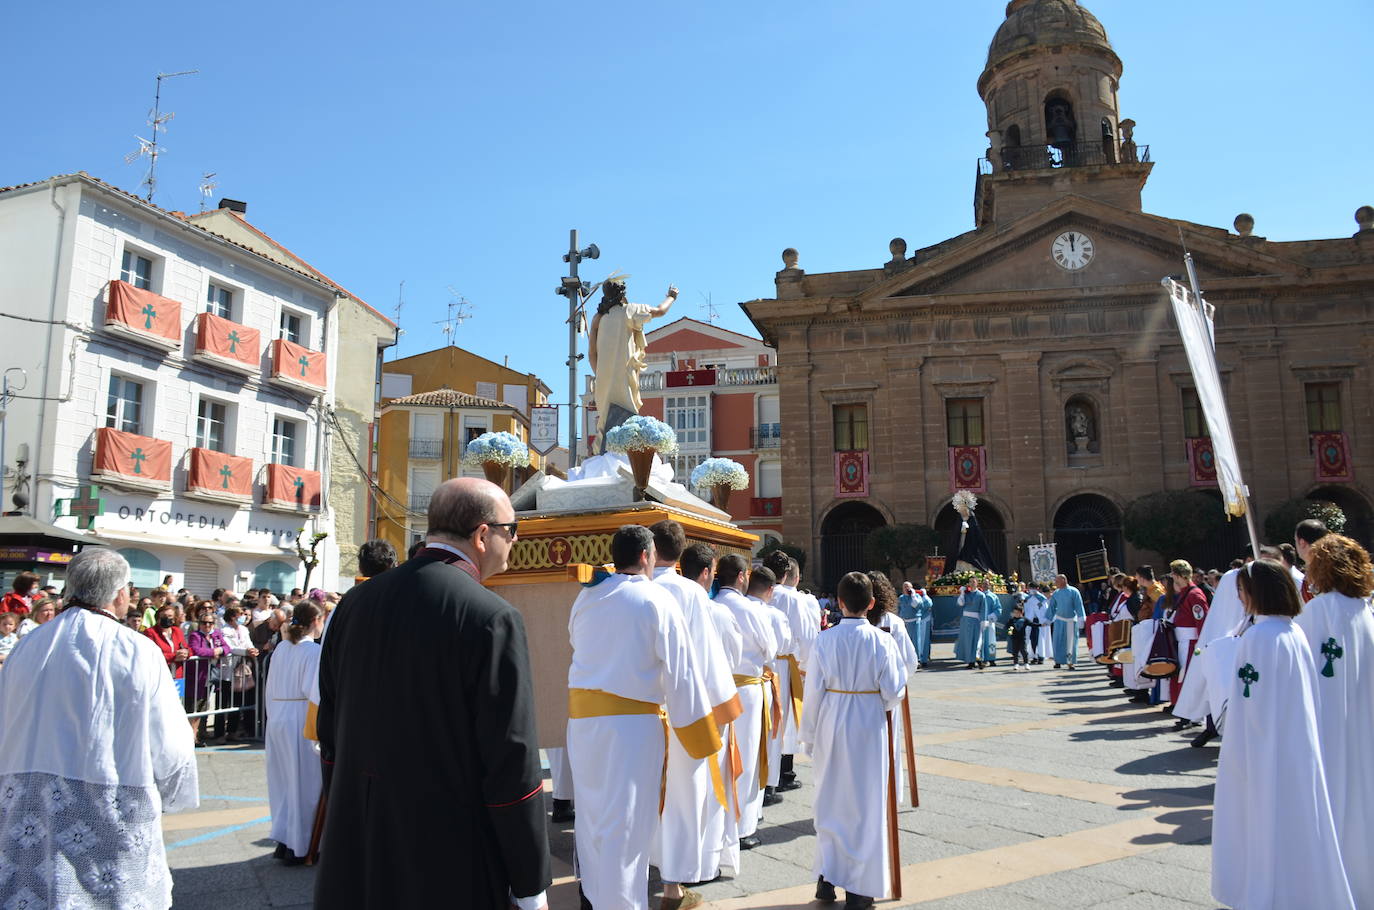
(895, 870)
(910, 752)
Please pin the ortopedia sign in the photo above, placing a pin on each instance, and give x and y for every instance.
(196, 521)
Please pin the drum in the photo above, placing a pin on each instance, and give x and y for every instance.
(1163, 660)
(1119, 641)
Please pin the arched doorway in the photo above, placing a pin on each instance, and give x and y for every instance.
(1085, 523)
(843, 535)
(1218, 550)
(947, 525)
(1359, 518)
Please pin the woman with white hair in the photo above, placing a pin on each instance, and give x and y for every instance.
(94, 747)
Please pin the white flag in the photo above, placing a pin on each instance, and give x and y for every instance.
(1195, 329)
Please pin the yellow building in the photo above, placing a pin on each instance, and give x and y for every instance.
(432, 405)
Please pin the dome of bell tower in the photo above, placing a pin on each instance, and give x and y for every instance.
(1046, 24)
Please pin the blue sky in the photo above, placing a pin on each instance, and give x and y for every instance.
(454, 144)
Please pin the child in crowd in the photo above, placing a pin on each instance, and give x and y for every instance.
(1016, 639)
(9, 623)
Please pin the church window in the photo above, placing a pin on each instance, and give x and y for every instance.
(964, 421)
(1194, 423)
(851, 427)
(1324, 407)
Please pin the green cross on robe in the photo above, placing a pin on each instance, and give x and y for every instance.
(137, 457)
(1332, 651)
(149, 314)
(1248, 675)
(227, 473)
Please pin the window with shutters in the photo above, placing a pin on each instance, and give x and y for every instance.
(851, 427)
(964, 421)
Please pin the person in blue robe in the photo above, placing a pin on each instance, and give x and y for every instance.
(1066, 616)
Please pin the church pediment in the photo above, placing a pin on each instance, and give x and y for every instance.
(1080, 244)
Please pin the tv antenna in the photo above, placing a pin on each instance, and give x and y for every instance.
(207, 188)
(712, 314)
(148, 148)
(459, 311)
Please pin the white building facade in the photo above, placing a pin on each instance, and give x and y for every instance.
(184, 375)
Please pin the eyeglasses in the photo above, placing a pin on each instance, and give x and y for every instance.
(512, 528)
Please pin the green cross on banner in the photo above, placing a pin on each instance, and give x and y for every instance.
(1248, 674)
(234, 342)
(227, 473)
(305, 363)
(85, 505)
(149, 314)
(1332, 651)
(300, 489)
(137, 457)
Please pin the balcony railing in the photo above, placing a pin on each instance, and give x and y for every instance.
(731, 376)
(419, 502)
(765, 436)
(426, 448)
(1097, 153)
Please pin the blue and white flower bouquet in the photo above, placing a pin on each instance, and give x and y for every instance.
(714, 472)
(498, 448)
(641, 433)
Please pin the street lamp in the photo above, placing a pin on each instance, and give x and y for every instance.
(577, 291)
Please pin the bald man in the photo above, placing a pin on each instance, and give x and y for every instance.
(426, 725)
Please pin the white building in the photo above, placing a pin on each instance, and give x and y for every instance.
(182, 373)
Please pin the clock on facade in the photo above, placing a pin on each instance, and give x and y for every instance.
(1072, 250)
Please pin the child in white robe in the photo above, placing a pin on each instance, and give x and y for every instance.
(293, 762)
(855, 676)
(1274, 841)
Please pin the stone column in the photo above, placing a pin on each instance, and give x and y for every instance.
(903, 459)
(1254, 398)
(1144, 438)
(798, 446)
(1025, 455)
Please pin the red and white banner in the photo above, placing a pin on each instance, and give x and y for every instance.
(215, 473)
(227, 339)
(291, 361)
(1202, 462)
(677, 379)
(967, 469)
(143, 311)
(132, 457)
(851, 474)
(292, 488)
(1332, 451)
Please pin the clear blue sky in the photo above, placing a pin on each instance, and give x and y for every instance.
(456, 143)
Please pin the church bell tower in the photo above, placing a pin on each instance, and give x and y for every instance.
(1054, 127)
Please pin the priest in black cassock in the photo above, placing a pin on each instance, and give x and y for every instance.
(426, 726)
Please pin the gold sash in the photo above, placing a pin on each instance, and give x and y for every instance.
(854, 691)
(795, 676)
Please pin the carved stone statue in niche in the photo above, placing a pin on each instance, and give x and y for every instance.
(1082, 429)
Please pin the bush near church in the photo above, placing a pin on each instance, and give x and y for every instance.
(1173, 521)
(901, 546)
(1284, 517)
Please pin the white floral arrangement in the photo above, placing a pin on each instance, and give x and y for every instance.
(503, 448)
(640, 433)
(720, 471)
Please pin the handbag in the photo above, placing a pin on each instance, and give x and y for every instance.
(243, 676)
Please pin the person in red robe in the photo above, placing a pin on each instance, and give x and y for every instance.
(1190, 612)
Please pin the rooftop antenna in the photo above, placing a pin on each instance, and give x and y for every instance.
(458, 313)
(712, 314)
(148, 148)
(400, 302)
(207, 188)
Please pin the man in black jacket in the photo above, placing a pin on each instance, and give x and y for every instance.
(426, 725)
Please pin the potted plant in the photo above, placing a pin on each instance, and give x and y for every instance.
(497, 453)
(639, 439)
(720, 476)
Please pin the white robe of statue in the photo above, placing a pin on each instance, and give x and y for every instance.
(620, 350)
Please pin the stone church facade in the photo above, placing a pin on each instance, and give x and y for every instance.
(1034, 357)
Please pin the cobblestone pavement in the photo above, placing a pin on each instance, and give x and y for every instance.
(1040, 788)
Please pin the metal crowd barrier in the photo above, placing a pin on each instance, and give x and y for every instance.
(233, 692)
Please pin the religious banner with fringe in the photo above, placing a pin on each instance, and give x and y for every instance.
(851, 474)
(1044, 560)
(1332, 451)
(1202, 462)
(968, 468)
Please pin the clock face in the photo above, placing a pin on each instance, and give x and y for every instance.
(1072, 250)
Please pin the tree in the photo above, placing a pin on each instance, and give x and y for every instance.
(792, 550)
(309, 557)
(1173, 521)
(902, 546)
(1284, 517)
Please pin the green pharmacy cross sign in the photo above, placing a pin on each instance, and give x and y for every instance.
(149, 314)
(227, 473)
(137, 457)
(1248, 674)
(1332, 651)
(85, 506)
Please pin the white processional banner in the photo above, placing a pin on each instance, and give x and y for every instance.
(1044, 560)
(1195, 329)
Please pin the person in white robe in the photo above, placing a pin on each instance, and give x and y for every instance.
(1038, 615)
(758, 646)
(94, 748)
(906, 653)
(1339, 627)
(1066, 616)
(762, 582)
(691, 829)
(293, 761)
(1274, 843)
(803, 625)
(632, 657)
(1198, 699)
(561, 787)
(856, 676)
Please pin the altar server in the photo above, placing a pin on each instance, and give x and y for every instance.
(691, 830)
(1038, 615)
(883, 614)
(1197, 700)
(1190, 612)
(759, 645)
(1066, 615)
(915, 608)
(804, 624)
(632, 654)
(855, 677)
(94, 748)
(293, 762)
(760, 588)
(1340, 633)
(1274, 843)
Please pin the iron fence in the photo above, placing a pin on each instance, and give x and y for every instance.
(226, 693)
